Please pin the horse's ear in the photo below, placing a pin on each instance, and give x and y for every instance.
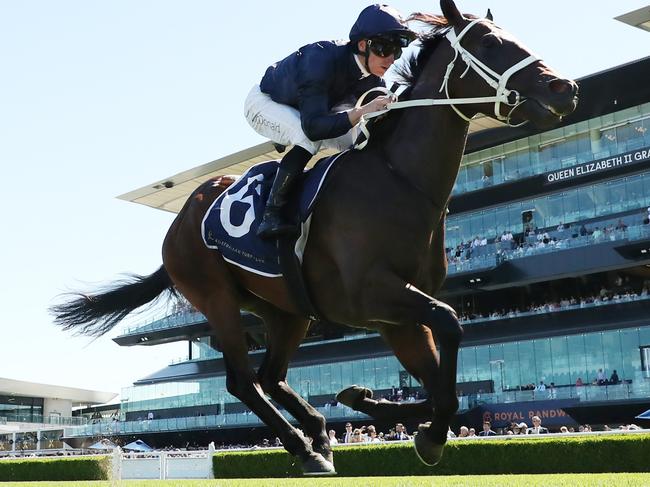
(451, 12)
(488, 16)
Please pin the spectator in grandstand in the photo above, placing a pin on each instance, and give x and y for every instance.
(371, 435)
(537, 428)
(463, 432)
(357, 436)
(472, 432)
(613, 379)
(552, 391)
(347, 436)
(487, 429)
(563, 429)
(579, 382)
(400, 432)
(600, 377)
(523, 428)
(333, 439)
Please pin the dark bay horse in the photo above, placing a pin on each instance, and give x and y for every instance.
(375, 255)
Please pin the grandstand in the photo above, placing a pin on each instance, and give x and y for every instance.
(33, 416)
(548, 243)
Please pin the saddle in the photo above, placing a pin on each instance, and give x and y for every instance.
(230, 224)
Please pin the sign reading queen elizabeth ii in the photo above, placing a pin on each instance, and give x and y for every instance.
(600, 165)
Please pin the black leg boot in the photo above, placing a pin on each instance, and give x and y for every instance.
(291, 166)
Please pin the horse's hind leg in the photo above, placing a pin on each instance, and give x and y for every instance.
(222, 311)
(284, 334)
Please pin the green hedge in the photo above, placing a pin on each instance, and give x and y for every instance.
(554, 454)
(69, 468)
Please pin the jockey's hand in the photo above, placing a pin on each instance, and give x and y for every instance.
(376, 105)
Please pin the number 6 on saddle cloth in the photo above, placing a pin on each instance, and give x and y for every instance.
(230, 224)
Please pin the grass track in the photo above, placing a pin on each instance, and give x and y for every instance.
(545, 480)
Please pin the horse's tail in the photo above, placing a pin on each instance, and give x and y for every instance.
(96, 314)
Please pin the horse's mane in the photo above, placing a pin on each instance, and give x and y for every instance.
(408, 72)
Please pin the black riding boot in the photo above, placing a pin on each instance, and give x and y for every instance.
(291, 166)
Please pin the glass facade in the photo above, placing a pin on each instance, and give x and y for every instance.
(597, 138)
(21, 409)
(567, 207)
(510, 365)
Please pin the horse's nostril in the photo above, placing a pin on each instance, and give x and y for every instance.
(561, 86)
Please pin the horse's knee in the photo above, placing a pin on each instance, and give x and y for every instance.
(240, 388)
(269, 385)
(446, 325)
(317, 422)
(447, 406)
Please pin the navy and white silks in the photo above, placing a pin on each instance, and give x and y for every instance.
(297, 100)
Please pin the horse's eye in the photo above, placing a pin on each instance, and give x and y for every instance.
(490, 40)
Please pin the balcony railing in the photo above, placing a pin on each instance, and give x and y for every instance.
(40, 419)
(545, 310)
(175, 320)
(587, 393)
(197, 422)
(494, 254)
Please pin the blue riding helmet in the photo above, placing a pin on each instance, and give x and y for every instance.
(381, 21)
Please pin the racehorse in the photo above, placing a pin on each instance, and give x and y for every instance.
(375, 256)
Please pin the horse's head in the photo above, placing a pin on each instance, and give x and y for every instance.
(488, 60)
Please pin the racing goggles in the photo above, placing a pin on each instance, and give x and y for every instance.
(384, 47)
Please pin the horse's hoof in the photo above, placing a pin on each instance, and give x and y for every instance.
(427, 451)
(352, 395)
(316, 465)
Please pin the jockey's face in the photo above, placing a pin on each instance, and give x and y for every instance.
(377, 65)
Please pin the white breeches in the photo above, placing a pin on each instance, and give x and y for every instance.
(281, 124)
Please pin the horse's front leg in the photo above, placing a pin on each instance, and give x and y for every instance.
(413, 319)
(285, 332)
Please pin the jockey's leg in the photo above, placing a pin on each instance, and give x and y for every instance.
(291, 166)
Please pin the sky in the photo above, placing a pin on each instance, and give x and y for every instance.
(100, 98)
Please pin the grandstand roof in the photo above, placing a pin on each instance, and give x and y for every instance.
(170, 194)
(11, 387)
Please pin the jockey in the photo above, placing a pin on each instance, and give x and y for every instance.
(295, 103)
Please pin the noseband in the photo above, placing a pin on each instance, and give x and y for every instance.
(511, 98)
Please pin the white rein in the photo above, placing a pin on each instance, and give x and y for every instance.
(495, 80)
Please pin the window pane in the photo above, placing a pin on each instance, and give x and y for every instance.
(612, 352)
(631, 367)
(543, 365)
(560, 354)
(511, 365)
(594, 354)
(577, 358)
(527, 363)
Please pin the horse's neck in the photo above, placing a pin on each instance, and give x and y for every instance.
(428, 144)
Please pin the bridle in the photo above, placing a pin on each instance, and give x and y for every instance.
(511, 98)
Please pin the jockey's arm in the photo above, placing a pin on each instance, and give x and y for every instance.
(317, 121)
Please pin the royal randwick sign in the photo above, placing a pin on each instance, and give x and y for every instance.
(550, 411)
(600, 165)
